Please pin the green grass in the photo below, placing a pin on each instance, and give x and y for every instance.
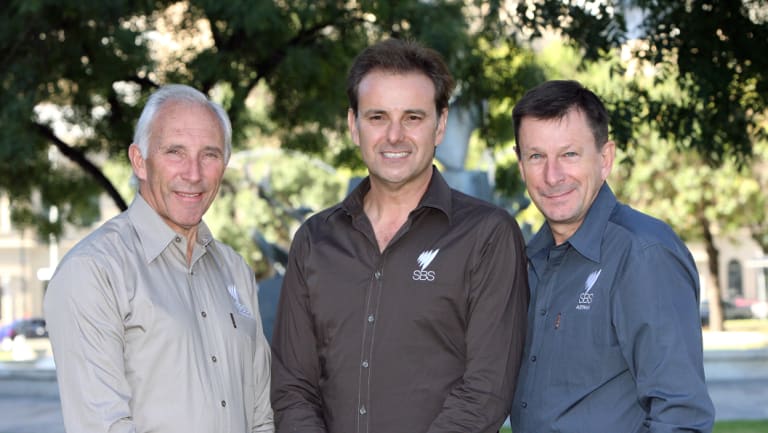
(741, 427)
(722, 427)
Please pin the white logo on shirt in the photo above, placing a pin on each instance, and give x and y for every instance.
(425, 258)
(585, 297)
(241, 309)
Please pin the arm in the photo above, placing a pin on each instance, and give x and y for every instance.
(86, 331)
(295, 362)
(498, 302)
(657, 321)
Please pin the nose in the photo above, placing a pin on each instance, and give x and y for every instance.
(553, 171)
(192, 170)
(394, 132)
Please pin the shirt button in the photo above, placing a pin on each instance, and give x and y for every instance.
(365, 364)
(177, 239)
(533, 358)
(377, 274)
(362, 410)
(542, 312)
(370, 318)
(223, 403)
(204, 314)
(524, 405)
(213, 358)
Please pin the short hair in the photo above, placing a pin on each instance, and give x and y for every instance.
(401, 56)
(554, 99)
(184, 94)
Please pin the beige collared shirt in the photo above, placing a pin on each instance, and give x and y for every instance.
(144, 342)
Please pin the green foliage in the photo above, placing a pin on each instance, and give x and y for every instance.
(271, 191)
(74, 75)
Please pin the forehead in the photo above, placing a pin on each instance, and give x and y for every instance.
(572, 128)
(387, 89)
(186, 119)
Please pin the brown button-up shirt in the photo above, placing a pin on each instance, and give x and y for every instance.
(425, 336)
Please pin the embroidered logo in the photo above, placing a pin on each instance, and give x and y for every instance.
(585, 297)
(241, 309)
(424, 260)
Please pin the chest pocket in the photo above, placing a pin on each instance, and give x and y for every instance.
(583, 337)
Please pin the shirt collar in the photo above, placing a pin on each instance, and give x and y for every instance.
(437, 196)
(588, 237)
(155, 235)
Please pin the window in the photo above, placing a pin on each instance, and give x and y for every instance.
(735, 288)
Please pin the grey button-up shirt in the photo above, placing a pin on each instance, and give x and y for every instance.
(144, 342)
(614, 336)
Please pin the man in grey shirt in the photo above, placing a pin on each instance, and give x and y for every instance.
(154, 324)
(614, 337)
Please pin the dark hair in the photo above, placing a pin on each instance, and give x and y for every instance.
(554, 99)
(401, 56)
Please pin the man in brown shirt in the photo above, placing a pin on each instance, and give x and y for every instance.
(403, 308)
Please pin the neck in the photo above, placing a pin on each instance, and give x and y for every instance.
(388, 209)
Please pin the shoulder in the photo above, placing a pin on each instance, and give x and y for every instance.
(108, 243)
(466, 209)
(645, 232)
(323, 221)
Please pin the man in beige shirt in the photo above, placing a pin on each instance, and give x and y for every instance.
(154, 324)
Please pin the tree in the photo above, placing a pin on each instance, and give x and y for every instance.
(73, 75)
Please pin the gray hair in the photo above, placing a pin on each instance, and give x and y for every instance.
(179, 93)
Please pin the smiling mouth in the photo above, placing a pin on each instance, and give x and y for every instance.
(557, 194)
(395, 155)
(189, 194)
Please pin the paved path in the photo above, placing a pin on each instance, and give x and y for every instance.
(737, 381)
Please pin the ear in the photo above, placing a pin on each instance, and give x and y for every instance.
(607, 155)
(352, 125)
(137, 162)
(441, 122)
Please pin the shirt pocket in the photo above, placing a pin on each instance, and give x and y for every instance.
(586, 352)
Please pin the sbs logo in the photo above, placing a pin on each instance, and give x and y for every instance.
(419, 275)
(425, 258)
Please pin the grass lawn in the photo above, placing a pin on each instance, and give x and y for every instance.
(722, 427)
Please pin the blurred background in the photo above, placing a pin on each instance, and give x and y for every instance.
(685, 82)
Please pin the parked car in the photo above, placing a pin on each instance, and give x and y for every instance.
(28, 328)
(736, 309)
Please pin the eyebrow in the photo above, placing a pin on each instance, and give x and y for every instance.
(407, 111)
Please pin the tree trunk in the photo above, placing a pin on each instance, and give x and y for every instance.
(713, 278)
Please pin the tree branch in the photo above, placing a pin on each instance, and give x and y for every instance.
(81, 160)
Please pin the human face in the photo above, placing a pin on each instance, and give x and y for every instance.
(184, 166)
(397, 128)
(563, 169)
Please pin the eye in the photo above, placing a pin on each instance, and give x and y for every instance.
(571, 154)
